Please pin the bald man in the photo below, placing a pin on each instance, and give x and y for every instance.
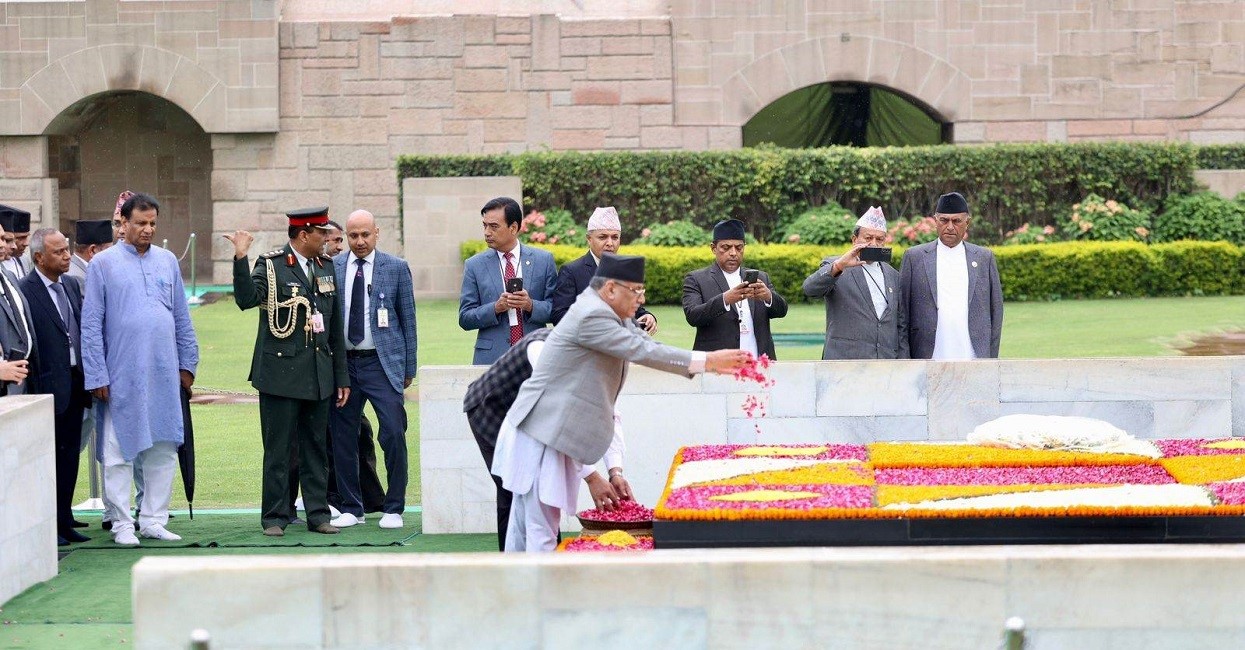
(378, 299)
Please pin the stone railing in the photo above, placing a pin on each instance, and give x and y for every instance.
(838, 401)
(27, 493)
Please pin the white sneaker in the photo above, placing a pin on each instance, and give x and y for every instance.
(334, 512)
(298, 503)
(156, 531)
(346, 520)
(125, 538)
(391, 520)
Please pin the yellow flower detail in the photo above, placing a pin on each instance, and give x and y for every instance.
(765, 495)
(1200, 470)
(1226, 444)
(780, 451)
(825, 474)
(907, 454)
(892, 494)
(617, 538)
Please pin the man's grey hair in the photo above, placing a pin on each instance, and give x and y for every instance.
(597, 282)
(37, 237)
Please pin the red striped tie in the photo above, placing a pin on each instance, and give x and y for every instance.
(516, 330)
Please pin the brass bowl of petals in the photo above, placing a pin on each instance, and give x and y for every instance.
(629, 516)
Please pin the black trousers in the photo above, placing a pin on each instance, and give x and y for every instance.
(487, 441)
(369, 480)
(68, 445)
(294, 426)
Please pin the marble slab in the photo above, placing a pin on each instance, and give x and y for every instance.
(27, 493)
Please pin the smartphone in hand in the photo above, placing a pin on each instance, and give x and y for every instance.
(751, 275)
(514, 285)
(874, 254)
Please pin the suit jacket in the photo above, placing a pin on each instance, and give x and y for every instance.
(307, 366)
(568, 403)
(490, 396)
(717, 327)
(573, 278)
(52, 339)
(482, 286)
(77, 268)
(853, 329)
(10, 328)
(918, 279)
(395, 345)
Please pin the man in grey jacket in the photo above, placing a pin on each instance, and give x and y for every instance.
(562, 421)
(952, 291)
(865, 314)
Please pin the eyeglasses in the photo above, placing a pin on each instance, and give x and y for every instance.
(639, 292)
(943, 221)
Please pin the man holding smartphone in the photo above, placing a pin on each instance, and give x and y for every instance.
(731, 306)
(865, 317)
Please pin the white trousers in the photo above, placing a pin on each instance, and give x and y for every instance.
(159, 464)
(533, 526)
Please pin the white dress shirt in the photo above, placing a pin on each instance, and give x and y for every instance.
(56, 302)
(15, 266)
(876, 279)
(747, 333)
(512, 314)
(352, 267)
(9, 288)
(951, 340)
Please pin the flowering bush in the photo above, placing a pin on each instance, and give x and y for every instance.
(1100, 219)
(911, 233)
(551, 227)
(675, 233)
(826, 225)
(1027, 234)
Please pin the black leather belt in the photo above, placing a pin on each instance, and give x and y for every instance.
(357, 354)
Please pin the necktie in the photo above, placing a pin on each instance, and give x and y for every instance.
(67, 316)
(516, 330)
(356, 331)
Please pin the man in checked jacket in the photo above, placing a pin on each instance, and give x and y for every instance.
(486, 403)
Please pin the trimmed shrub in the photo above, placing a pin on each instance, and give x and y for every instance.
(1099, 219)
(675, 233)
(1204, 216)
(913, 232)
(551, 227)
(1027, 234)
(1057, 271)
(1006, 185)
(824, 226)
(1221, 156)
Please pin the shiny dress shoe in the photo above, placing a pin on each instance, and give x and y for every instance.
(274, 531)
(326, 529)
(61, 541)
(80, 524)
(73, 537)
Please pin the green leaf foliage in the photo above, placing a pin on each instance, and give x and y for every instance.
(766, 187)
(1204, 216)
(1221, 156)
(827, 225)
(1062, 270)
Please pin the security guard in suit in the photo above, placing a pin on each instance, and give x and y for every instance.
(299, 363)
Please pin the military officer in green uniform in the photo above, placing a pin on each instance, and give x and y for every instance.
(299, 363)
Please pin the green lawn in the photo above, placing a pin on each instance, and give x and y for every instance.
(227, 437)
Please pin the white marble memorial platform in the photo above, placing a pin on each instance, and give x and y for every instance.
(27, 493)
(1070, 597)
(838, 401)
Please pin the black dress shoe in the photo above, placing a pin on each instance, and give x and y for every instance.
(80, 524)
(73, 536)
(297, 521)
(106, 525)
(60, 541)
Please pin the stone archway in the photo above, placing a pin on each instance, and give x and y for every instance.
(126, 139)
(915, 72)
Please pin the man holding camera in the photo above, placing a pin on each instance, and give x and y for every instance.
(865, 315)
(731, 306)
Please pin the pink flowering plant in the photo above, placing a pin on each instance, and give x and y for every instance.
(1030, 234)
(1099, 219)
(912, 232)
(553, 226)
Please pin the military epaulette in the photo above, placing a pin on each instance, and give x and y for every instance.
(271, 254)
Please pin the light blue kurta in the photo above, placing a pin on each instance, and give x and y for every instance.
(136, 336)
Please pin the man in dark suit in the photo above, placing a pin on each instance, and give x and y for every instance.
(604, 236)
(499, 316)
(865, 313)
(17, 347)
(20, 229)
(379, 306)
(55, 301)
(726, 311)
(953, 296)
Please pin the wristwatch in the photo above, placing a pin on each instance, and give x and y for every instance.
(615, 472)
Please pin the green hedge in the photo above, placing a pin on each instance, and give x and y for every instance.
(1221, 156)
(767, 187)
(1028, 272)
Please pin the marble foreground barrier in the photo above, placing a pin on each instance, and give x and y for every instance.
(27, 493)
(838, 401)
(936, 597)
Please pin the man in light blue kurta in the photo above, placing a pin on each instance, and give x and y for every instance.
(138, 350)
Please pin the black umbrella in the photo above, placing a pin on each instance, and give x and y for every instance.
(186, 453)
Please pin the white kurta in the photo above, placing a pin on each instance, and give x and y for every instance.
(951, 340)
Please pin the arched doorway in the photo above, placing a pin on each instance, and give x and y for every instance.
(846, 113)
(118, 140)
